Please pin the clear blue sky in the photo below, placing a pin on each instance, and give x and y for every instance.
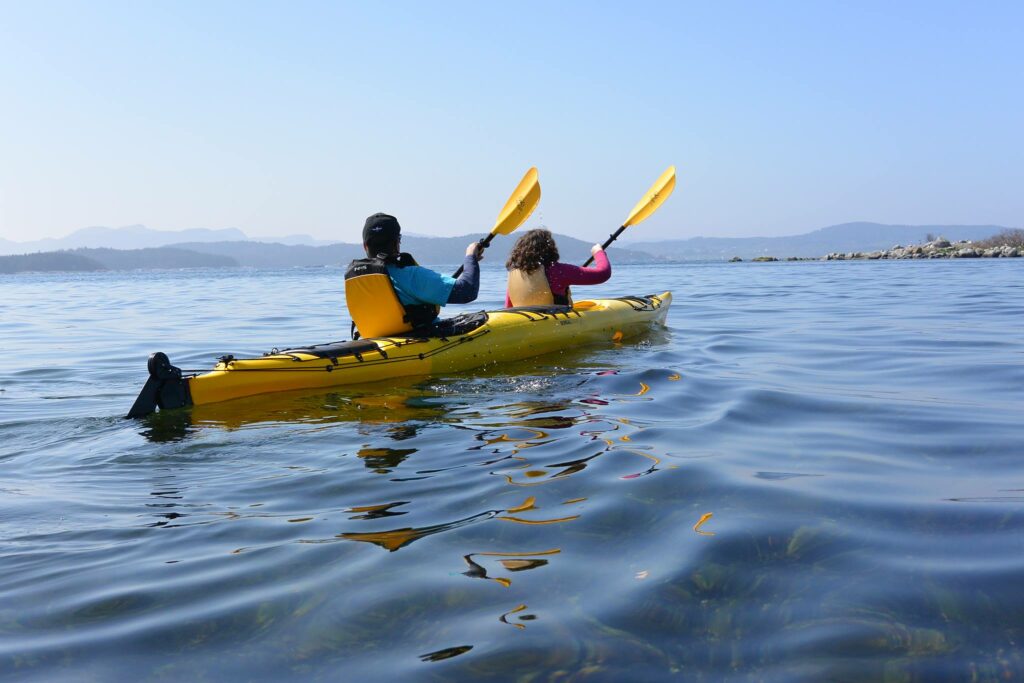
(304, 117)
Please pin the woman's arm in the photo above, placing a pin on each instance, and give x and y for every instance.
(561, 275)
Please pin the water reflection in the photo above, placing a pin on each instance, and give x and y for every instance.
(655, 461)
(377, 511)
(403, 404)
(384, 460)
(406, 409)
(538, 522)
(477, 570)
(513, 562)
(167, 427)
(395, 539)
(526, 617)
(446, 653)
(700, 522)
(168, 505)
(436, 437)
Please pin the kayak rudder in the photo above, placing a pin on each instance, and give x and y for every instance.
(165, 388)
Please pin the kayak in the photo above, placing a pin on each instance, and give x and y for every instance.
(461, 343)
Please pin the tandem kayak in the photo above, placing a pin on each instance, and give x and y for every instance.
(456, 344)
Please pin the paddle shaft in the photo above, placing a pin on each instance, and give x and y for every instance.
(481, 245)
(614, 236)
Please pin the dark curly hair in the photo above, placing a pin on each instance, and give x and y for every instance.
(534, 250)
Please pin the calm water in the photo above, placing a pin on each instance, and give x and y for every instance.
(854, 431)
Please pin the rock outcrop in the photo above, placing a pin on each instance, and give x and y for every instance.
(939, 248)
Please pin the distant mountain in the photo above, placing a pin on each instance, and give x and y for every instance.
(427, 250)
(233, 249)
(297, 238)
(80, 260)
(836, 238)
(141, 237)
(226, 254)
(128, 237)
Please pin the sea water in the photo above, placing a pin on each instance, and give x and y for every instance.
(814, 472)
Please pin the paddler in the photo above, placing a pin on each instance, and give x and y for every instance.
(389, 294)
(537, 278)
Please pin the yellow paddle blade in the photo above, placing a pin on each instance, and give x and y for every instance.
(520, 205)
(654, 198)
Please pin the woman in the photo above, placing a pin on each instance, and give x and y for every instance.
(536, 278)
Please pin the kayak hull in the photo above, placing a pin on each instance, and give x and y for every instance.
(507, 335)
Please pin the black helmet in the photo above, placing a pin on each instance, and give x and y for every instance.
(381, 230)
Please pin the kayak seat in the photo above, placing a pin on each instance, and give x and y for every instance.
(453, 327)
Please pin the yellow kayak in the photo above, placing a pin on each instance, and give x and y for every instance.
(462, 343)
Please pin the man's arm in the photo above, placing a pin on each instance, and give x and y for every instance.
(468, 285)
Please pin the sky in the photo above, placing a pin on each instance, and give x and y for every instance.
(305, 117)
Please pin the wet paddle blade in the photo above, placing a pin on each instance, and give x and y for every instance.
(654, 198)
(520, 205)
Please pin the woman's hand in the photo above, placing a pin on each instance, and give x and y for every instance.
(475, 251)
(596, 248)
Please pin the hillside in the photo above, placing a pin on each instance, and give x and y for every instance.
(160, 257)
(85, 260)
(48, 262)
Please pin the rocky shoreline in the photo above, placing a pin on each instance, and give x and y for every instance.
(937, 248)
(940, 248)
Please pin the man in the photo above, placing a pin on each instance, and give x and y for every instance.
(389, 294)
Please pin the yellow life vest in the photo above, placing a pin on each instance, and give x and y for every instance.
(374, 305)
(533, 289)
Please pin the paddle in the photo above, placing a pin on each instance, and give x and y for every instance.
(517, 209)
(654, 198)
